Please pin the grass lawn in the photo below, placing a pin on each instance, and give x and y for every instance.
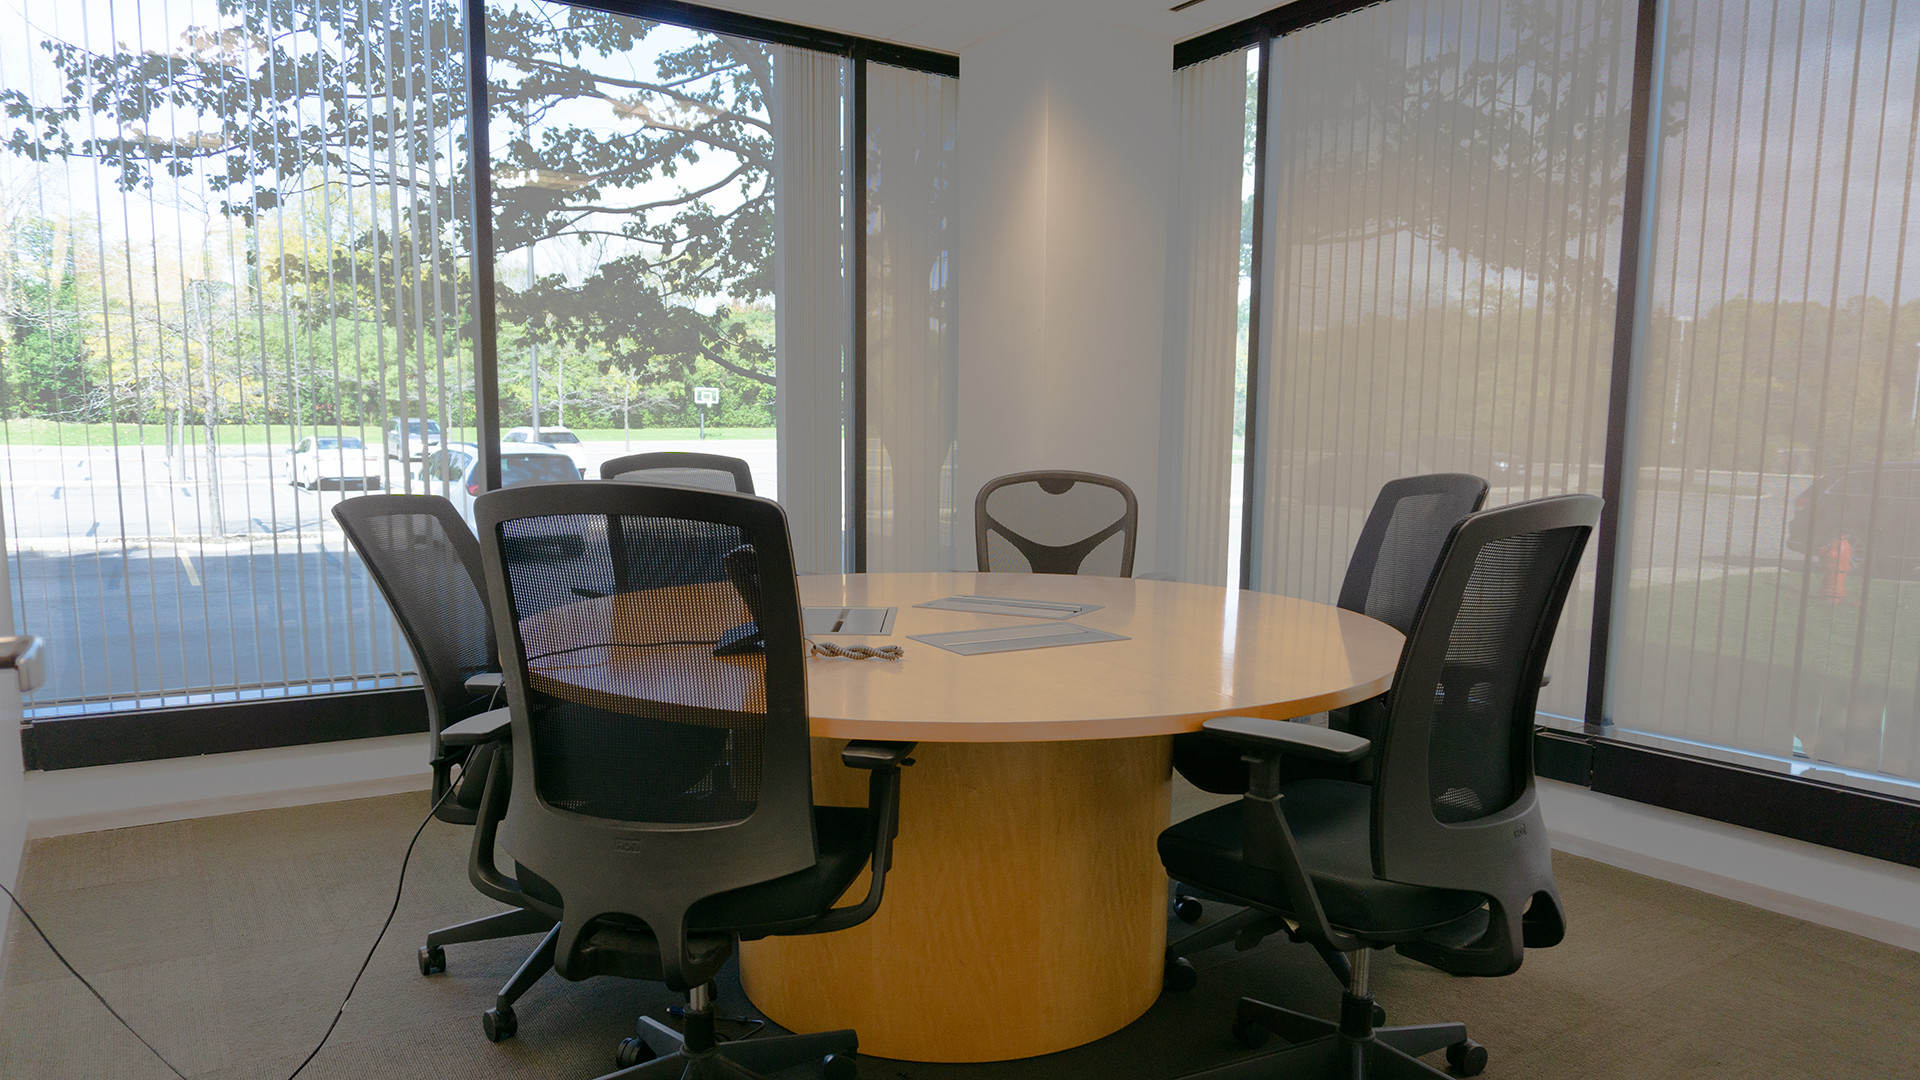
(1759, 616)
(50, 433)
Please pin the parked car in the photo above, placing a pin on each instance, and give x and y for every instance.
(454, 470)
(1883, 531)
(561, 439)
(336, 460)
(422, 436)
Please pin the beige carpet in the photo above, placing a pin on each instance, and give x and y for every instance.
(228, 942)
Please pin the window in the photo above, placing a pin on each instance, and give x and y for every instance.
(1773, 600)
(210, 271)
(214, 266)
(1444, 187)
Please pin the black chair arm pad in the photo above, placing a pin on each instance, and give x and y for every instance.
(486, 682)
(1267, 736)
(868, 754)
(486, 727)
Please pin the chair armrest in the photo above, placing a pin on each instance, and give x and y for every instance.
(487, 682)
(1266, 736)
(867, 754)
(486, 727)
(884, 760)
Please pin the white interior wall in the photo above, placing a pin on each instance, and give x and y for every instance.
(1064, 141)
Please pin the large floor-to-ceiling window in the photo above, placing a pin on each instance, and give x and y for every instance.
(239, 283)
(1664, 252)
(234, 283)
(1772, 586)
(1442, 216)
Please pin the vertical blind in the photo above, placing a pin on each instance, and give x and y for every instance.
(234, 232)
(236, 241)
(913, 352)
(1445, 181)
(1202, 320)
(811, 321)
(1772, 600)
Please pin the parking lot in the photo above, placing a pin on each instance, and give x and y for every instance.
(119, 562)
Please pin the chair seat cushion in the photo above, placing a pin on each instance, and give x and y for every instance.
(843, 846)
(1329, 820)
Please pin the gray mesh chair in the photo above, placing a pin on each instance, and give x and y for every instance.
(716, 471)
(1444, 857)
(662, 807)
(1399, 546)
(426, 563)
(1056, 523)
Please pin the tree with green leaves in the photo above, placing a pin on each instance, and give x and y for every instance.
(647, 144)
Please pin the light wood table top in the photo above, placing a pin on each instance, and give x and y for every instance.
(1194, 651)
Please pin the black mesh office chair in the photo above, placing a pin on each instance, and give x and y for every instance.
(1056, 523)
(663, 807)
(1399, 546)
(1444, 857)
(688, 469)
(423, 558)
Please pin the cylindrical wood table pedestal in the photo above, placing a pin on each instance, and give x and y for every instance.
(1026, 910)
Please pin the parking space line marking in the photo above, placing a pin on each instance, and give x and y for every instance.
(186, 560)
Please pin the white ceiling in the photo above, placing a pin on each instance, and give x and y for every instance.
(952, 25)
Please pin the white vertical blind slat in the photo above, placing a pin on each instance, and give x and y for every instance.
(912, 348)
(1203, 278)
(810, 328)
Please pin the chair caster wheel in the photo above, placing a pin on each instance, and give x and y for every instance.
(1180, 975)
(1467, 1058)
(839, 1067)
(1249, 1034)
(499, 1023)
(1188, 909)
(433, 959)
(633, 1050)
(1379, 1015)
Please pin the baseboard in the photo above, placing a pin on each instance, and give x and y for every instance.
(149, 792)
(41, 828)
(1860, 895)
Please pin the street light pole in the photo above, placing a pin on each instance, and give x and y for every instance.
(1679, 369)
(1913, 414)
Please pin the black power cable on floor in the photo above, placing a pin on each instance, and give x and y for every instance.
(397, 887)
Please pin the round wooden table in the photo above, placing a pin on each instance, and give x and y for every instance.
(1026, 909)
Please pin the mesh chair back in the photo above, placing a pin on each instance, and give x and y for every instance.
(660, 773)
(1056, 523)
(425, 561)
(716, 471)
(1454, 804)
(1399, 546)
(1401, 541)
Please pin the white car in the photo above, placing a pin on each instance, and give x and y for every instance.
(336, 461)
(417, 441)
(561, 439)
(455, 470)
